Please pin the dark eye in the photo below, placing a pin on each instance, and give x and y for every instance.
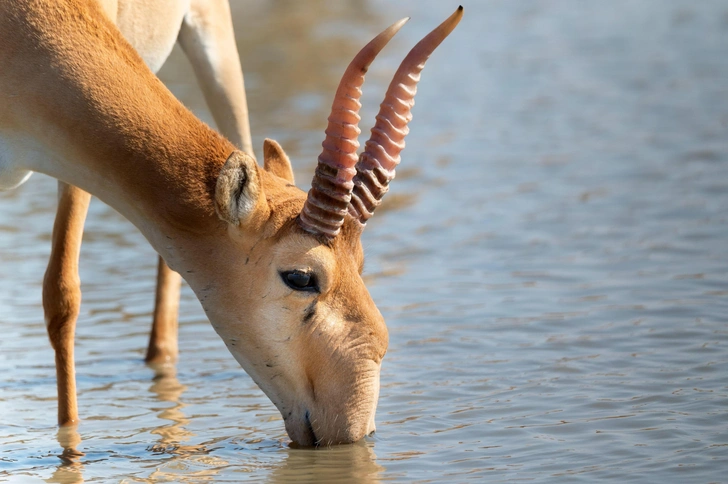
(300, 281)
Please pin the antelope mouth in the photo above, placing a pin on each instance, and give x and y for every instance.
(302, 434)
(309, 428)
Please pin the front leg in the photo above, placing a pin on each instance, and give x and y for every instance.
(62, 293)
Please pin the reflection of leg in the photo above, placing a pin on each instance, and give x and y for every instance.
(163, 340)
(62, 293)
(173, 433)
(71, 469)
(168, 389)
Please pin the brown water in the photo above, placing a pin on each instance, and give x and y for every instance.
(552, 264)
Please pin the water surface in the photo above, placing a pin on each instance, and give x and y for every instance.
(551, 262)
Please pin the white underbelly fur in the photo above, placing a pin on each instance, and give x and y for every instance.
(11, 175)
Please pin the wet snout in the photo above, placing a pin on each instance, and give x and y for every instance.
(322, 426)
(299, 428)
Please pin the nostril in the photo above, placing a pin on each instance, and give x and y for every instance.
(309, 427)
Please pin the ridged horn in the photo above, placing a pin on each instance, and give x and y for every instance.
(328, 199)
(377, 163)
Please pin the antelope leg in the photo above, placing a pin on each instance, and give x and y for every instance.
(163, 339)
(62, 293)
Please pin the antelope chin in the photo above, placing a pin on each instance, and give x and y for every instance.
(300, 430)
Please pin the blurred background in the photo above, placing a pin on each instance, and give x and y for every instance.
(551, 261)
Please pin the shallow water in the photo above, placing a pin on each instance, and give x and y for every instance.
(552, 263)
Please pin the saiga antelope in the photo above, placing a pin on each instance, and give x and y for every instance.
(277, 270)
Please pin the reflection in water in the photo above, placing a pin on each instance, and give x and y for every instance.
(344, 463)
(168, 389)
(175, 461)
(184, 463)
(70, 471)
(195, 463)
(188, 463)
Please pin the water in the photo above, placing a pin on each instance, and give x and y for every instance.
(551, 263)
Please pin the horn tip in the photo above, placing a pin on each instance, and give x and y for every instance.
(398, 25)
(451, 22)
(458, 13)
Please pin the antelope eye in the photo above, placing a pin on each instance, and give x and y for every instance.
(300, 281)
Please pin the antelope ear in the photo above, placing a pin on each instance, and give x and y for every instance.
(276, 161)
(238, 191)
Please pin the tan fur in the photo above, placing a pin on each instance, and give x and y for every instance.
(276, 161)
(62, 294)
(204, 29)
(80, 105)
(162, 346)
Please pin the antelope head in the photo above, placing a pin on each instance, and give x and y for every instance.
(299, 318)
